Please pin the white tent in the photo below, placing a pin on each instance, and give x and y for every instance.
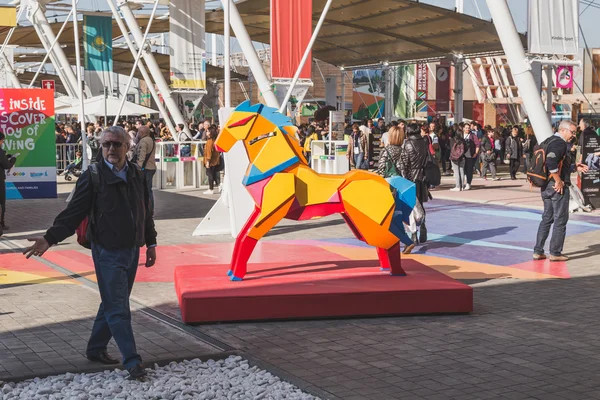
(98, 107)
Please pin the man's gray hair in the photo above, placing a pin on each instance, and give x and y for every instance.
(586, 122)
(566, 124)
(115, 130)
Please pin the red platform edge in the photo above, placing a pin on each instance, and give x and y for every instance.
(274, 291)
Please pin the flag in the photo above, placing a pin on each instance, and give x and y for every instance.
(97, 48)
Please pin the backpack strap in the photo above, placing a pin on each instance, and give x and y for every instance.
(95, 188)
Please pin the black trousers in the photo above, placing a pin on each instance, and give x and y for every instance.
(469, 165)
(214, 177)
(514, 167)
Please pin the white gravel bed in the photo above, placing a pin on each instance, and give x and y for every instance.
(231, 378)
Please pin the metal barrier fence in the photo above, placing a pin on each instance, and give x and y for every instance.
(178, 165)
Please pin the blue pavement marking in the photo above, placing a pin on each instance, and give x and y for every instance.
(497, 235)
(528, 215)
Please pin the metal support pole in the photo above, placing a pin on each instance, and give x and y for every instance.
(549, 91)
(154, 69)
(227, 52)
(507, 32)
(264, 85)
(143, 70)
(389, 94)
(142, 49)
(343, 97)
(458, 89)
(84, 153)
(10, 71)
(62, 28)
(58, 57)
(214, 48)
(460, 6)
(105, 106)
(305, 56)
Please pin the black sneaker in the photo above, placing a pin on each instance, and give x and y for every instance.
(137, 371)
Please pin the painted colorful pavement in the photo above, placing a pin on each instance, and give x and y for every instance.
(466, 241)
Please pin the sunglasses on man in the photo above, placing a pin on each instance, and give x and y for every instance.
(108, 144)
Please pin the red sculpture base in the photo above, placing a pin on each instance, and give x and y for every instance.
(316, 290)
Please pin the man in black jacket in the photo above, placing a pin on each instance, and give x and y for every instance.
(121, 223)
(555, 193)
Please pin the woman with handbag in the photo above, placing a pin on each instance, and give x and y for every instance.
(488, 151)
(389, 159)
(212, 161)
(414, 157)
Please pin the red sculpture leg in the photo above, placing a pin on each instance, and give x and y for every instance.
(384, 259)
(241, 263)
(391, 257)
(240, 239)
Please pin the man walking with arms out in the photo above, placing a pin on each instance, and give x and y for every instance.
(555, 194)
(113, 194)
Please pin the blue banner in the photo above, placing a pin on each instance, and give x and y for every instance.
(97, 32)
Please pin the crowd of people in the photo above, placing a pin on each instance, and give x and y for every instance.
(143, 135)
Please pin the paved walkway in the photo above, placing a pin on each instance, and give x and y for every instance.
(532, 335)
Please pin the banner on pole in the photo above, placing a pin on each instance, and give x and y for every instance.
(97, 49)
(564, 77)
(291, 30)
(553, 27)
(331, 91)
(27, 120)
(442, 88)
(403, 98)
(368, 95)
(590, 182)
(187, 44)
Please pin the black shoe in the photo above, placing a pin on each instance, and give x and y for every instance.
(103, 358)
(137, 371)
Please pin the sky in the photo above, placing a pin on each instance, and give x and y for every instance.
(477, 8)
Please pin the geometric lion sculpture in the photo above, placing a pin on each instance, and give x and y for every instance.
(284, 186)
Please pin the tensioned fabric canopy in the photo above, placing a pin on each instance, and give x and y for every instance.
(356, 32)
(369, 32)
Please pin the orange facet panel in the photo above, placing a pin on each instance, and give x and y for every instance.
(372, 232)
(276, 193)
(313, 188)
(372, 197)
(261, 126)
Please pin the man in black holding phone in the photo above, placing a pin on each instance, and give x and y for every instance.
(555, 193)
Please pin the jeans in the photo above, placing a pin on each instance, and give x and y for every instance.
(445, 159)
(149, 175)
(526, 162)
(358, 160)
(556, 211)
(469, 165)
(459, 172)
(115, 270)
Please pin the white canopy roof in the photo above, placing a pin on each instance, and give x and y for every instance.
(96, 106)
